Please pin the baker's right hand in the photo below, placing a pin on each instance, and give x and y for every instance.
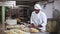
(32, 26)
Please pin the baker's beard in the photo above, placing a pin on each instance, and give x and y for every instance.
(37, 12)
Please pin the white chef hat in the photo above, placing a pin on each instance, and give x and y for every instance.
(37, 6)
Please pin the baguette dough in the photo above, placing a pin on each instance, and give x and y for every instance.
(16, 31)
(33, 30)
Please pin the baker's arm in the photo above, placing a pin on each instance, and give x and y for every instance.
(44, 20)
(31, 21)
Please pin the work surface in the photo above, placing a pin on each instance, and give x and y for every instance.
(2, 32)
(41, 33)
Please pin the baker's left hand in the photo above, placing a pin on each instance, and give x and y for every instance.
(36, 27)
(40, 26)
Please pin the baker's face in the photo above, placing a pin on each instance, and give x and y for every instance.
(37, 11)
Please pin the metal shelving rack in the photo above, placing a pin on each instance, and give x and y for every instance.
(3, 16)
(3, 10)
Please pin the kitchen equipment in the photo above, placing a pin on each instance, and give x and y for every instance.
(11, 21)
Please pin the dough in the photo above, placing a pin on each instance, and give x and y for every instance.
(18, 19)
(16, 31)
(33, 30)
(19, 31)
(16, 26)
(10, 26)
(22, 27)
(11, 32)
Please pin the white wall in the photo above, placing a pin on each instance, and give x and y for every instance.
(57, 4)
(49, 8)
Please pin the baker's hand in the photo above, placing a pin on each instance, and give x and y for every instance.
(40, 26)
(36, 27)
(32, 25)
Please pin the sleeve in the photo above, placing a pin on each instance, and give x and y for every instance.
(31, 19)
(44, 20)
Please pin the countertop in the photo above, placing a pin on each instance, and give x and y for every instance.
(41, 33)
(2, 32)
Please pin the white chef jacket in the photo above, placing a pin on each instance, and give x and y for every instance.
(39, 19)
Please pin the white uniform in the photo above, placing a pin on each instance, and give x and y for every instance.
(39, 19)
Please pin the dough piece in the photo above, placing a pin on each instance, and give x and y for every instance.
(16, 30)
(18, 19)
(16, 26)
(22, 32)
(25, 30)
(11, 32)
(22, 27)
(7, 31)
(19, 31)
(33, 30)
(10, 26)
